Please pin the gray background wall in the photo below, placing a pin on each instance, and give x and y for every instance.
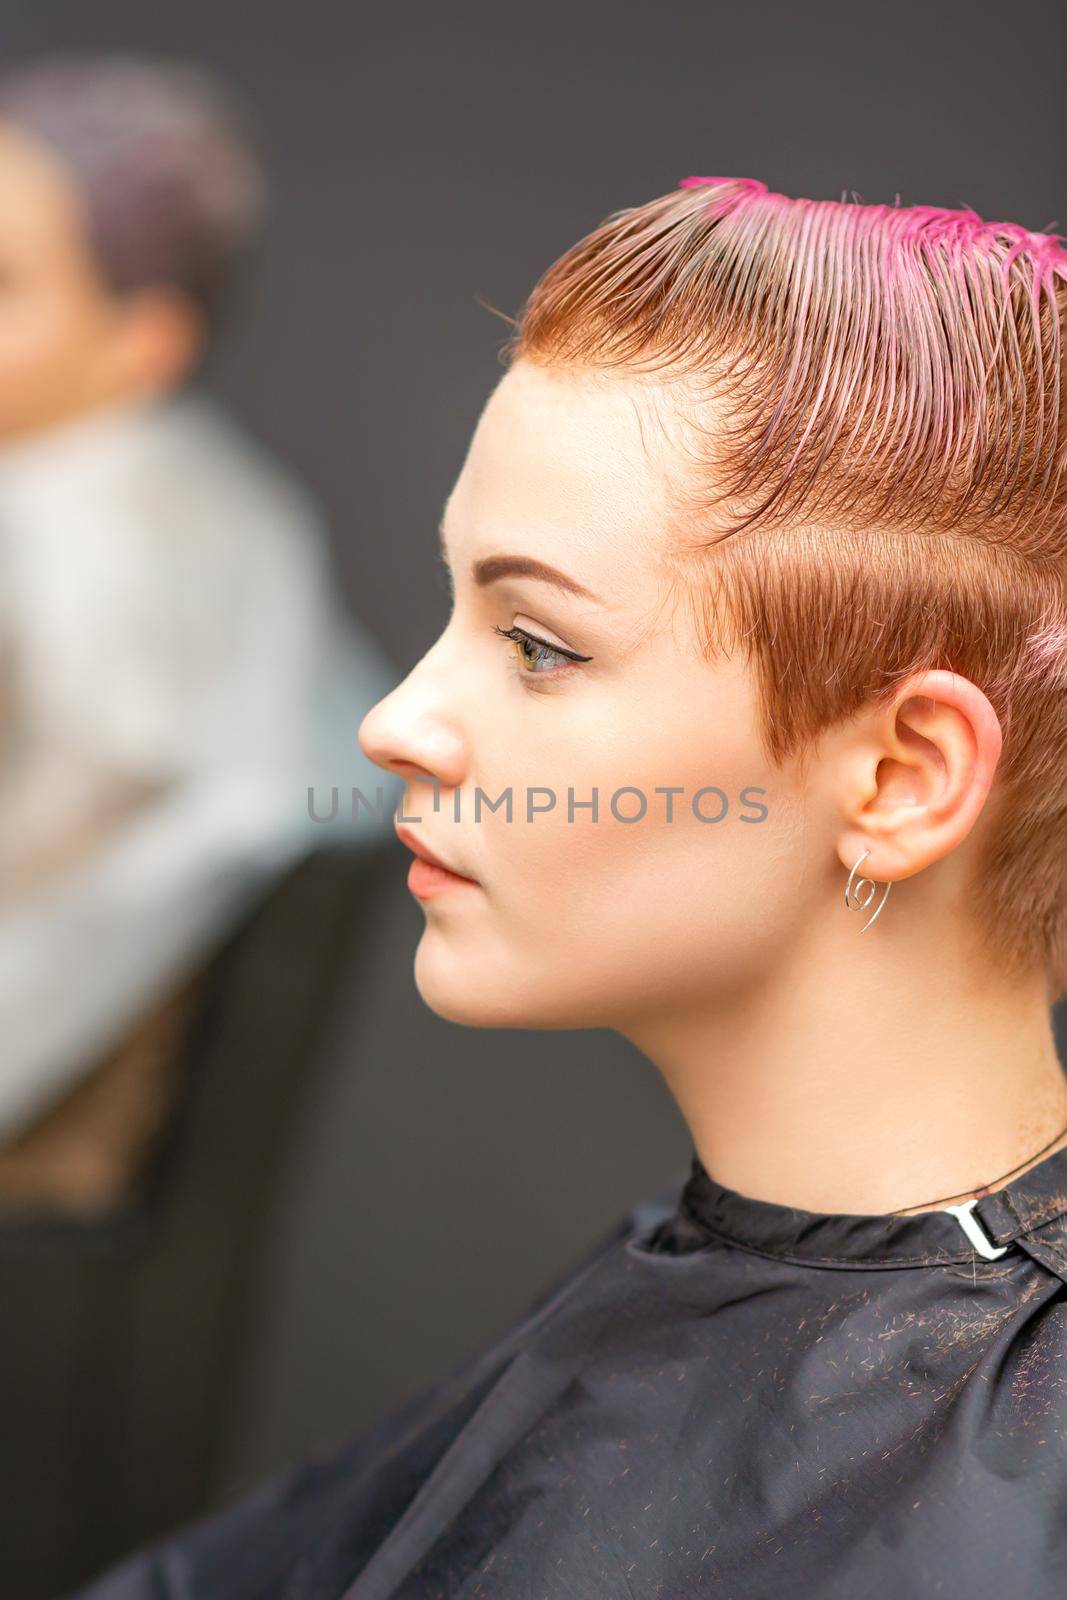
(426, 156)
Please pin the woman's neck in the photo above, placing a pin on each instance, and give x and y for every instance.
(864, 1086)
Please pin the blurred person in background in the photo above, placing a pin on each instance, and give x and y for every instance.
(177, 672)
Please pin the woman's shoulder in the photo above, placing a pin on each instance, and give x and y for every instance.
(649, 1358)
(306, 1529)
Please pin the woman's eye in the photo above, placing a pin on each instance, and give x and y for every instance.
(537, 657)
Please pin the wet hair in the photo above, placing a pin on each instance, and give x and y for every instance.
(163, 159)
(872, 442)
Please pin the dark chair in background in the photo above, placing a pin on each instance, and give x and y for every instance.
(121, 1338)
(1059, 1025)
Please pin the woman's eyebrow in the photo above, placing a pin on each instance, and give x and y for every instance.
(490, 568)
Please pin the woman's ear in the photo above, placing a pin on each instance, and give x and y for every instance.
(159, 337)
(914, 775)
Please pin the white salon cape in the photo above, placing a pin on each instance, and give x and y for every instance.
(169, 610)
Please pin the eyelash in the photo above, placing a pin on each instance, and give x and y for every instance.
(520, 636)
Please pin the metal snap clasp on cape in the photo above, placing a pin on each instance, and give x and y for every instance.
(981, 1241)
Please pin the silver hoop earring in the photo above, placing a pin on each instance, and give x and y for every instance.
(854, 902)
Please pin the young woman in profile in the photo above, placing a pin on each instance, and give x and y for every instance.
(770, 501)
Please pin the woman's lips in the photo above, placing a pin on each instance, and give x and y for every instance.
(426, 881)
(428, 876)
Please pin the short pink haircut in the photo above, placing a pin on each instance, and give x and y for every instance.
(883, 489)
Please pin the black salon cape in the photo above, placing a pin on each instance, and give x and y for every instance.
(737, 1399)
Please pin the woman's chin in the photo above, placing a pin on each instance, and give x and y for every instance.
(464, 990)
(476, 1004)
(461, 997)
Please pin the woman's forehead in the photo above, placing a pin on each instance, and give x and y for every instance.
(566, 466)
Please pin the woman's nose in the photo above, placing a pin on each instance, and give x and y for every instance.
(406, 734)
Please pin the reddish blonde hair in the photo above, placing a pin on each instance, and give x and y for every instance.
(883, 488)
